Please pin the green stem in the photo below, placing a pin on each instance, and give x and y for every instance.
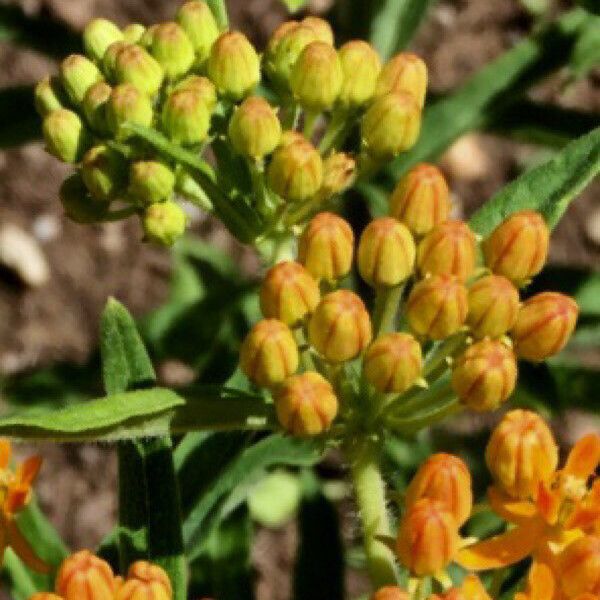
(310, 123)
(337, 131)
(437, 362)
(306, 359)
(387, 303)
(369, 488)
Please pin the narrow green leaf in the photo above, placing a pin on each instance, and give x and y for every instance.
(219, 9)
(586, 54)
(21, 123)
(548, 188)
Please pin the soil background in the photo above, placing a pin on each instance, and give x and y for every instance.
(58, 320)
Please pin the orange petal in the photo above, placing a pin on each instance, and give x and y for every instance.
(587, 596)
(584, 457)
(23, 549)
(502, 550)
(514, 511)
(28, 470)
(583, 517)
(16, 499)
(541, 583)
(548, 503)
(5, 453)
(473, 589)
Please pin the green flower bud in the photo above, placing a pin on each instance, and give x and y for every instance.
(317, 77)
(391, 125)
(296, 171)
(134, 65)
(98, 35)
(172, 49)
(127, 105)
(94, 106)
(185, 117)
(233, 65)
(109, 60)
(48, 96)
(133, 33)
(78, 74)
(361, 66)
(104, 173)
(164, 223)
(77, 203)
(65, 135)
(321, 27)
(151, 181)
(202, 86)
(276, 37)
(254, 129)
(198, 22)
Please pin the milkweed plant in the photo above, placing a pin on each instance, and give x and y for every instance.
(365, 335)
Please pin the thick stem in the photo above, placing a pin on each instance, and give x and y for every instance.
(370, 495)
(387, 302)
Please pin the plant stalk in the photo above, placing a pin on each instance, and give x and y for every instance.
(387, 302)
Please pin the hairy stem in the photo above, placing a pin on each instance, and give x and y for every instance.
(387, 303)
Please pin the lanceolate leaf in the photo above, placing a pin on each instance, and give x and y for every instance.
(548, 188)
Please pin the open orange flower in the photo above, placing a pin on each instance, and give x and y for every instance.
(563, 510)
(15, 493)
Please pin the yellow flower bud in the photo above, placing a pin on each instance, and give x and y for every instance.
(521, 453)
(164, 223)
(172, 49)
(104, 172)
(361, 66)
(233, 65)
(316, 78)
(198, 22)
(421, 199)
(444, 478)
(405, 72)
(254, 129)
(48, 96)
(203, 87)
(151, 181)
(146, 40)
(579, 567)
(288, 293)
(428, 538)
(390, 593)
(65, 135)
(493, 306)
(321, 27)
(296, 171)
(544, 325)
(132, 64)
(326, 247)
(94, 106)
(77, 203)
(84, 576)
(485, 375)
(185, 117)
(393, 363)
(98, 35)
(450, 248)
(518, 247)
(340, 328)
(391, 125)
(339, 174)
(127, 105)
(145, 581)
(437, 307)
(386, 253)
(133, 33)
(109, 60)
(78, 74)
(269, 354)
(276, 37)
(306, 404)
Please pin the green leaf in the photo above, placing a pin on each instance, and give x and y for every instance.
(20, 121)
(395, 22)
(586, 54)
(274, 500)
(548, 188)
(294, 5)
(219, 10)
(492, 89)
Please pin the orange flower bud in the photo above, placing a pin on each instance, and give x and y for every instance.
(518, 247)
(471, 589)
(339, 173)
(306, 404)
(83, 576)
(444, 478)
(391, 125)
(288, 293)
(386, 253)
(437, 306)
(544, 325)
(428, 537)
(269, 353)
(448, 249)
(145, 581)
(361, 66)
(421, 199)
(340, 328)
(521, 453)
(579, 567)
(393, 362)
(493, 306)
(326, 247)
(390, 593)
(405, 72)
(485, 375)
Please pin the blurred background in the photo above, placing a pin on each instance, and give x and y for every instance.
(55, 275)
